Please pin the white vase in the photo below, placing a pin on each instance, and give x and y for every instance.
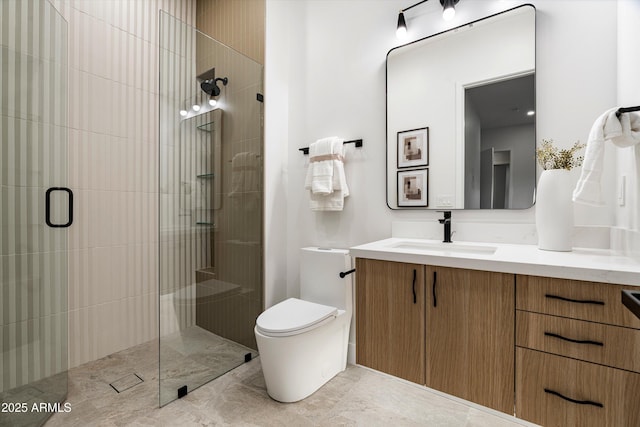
(554, 210)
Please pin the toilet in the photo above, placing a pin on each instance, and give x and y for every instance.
(303, 342)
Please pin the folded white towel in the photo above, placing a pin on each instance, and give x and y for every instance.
(325, 178)
(330, 202)
(320, 173)
(623, 132)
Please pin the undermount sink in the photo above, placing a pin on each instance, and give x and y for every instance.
(444, 247)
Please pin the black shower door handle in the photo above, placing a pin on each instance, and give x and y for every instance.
(47, 208)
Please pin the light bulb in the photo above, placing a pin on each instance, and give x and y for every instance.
(530, 113)
(212, 102)
(448, 13)
(195, 107)
(401, 31)
(183, 112)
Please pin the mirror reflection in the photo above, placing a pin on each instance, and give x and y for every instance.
(461, 117)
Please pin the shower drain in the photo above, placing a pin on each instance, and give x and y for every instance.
(126, 382)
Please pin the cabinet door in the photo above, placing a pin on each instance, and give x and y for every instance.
(390, 318)
(470, 335)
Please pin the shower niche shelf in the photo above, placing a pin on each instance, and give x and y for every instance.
(207, 170)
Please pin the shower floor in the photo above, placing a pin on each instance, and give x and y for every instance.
(195, 356)
(357, 396)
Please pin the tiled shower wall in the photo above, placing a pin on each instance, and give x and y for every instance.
(113, 156)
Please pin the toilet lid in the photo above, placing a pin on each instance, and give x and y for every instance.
(294, 315)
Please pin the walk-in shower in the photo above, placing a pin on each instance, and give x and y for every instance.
(210, 208)
(74, 295)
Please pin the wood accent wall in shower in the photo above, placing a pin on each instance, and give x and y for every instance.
(240, 24)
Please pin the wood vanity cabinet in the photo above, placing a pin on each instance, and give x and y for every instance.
(461, 342)
(577, 354)
(470, 335)
(390, 318)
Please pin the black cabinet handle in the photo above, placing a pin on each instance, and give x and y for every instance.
(47, 207)
(551, 296)
(414, 286)
(579, 402)
(433, 289)
(551, 334)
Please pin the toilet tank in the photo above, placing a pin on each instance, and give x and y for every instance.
(320, 279)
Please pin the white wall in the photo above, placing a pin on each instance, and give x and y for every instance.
(335, 53)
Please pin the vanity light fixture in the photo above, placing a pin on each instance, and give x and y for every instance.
(448, 12)
(401, 32)
(448, 9)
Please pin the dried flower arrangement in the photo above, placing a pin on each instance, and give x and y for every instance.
(551, 157)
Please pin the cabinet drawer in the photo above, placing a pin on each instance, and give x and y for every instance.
(557, 391)
(594, 342)
(596, 302)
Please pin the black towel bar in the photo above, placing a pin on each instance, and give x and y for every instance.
(358, 143)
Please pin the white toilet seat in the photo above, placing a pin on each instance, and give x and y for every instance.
(293, 317)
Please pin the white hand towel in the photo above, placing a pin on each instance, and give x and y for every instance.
(623, 132)
(339, 177)
(320, 173)
(330, 202)
(327, 196)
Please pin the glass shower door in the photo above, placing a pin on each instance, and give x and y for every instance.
(211, 283)
(35, 209)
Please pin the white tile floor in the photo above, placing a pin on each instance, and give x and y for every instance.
(357, 396)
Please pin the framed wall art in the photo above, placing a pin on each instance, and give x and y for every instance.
(413, 187)
(413, 148)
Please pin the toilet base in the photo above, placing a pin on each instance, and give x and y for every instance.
(294, 367)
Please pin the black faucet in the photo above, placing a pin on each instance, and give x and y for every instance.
(447, 226)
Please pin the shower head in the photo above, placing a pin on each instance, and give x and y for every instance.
(210, 87)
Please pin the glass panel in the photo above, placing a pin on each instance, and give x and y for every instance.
(33, 256)
(211, 192)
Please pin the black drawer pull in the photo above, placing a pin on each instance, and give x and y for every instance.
(414, 286)
(579, 402)
(574, 300)
(433, 289)
(551, 334)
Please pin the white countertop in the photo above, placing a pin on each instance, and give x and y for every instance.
(595, 265)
